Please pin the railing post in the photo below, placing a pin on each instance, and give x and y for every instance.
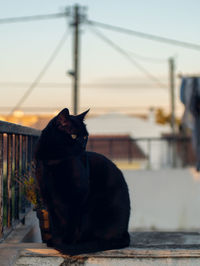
(186, 144)
(149, 153)
(1, 185)
(111, 148)
(9, 180)
(30, 153)
(174, 161)
(17, 161)
(92, 144)
(23, 172)
(130, 150)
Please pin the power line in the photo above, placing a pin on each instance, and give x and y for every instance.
(94, 108)
(144, 35)
(131, 85)
(41, 74)
(32, 18)
(127, 56)
(147, 58)
(103, 25)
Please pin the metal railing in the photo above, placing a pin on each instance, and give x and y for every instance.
(149, 153)
(16, 155)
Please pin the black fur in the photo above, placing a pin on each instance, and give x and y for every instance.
(85, 193)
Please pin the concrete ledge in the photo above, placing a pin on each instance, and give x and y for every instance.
(38, 254)
(10, 248)
(35, 249)
(146, 248)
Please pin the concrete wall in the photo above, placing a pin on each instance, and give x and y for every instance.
(164, 199)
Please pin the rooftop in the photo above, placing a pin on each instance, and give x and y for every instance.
(117, 123)
(146, 248)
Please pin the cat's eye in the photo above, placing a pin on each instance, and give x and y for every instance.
(85, 137)
(74, 136)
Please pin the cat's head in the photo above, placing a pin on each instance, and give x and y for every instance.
(66, 134)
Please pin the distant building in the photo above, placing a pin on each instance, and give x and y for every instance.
(117, 147)
(122, 129)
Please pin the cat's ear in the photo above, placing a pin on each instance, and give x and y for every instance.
(81, 117)
(63, 117)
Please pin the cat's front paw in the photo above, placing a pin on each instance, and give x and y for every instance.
(53, 242)
(49, 243)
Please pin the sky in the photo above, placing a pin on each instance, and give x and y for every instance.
(107, 78)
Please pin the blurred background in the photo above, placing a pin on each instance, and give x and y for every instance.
(126, 61)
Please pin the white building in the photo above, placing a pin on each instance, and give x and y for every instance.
(121, 124)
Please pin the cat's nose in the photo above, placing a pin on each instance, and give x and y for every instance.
(84, 145)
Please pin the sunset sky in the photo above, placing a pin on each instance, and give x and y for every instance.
(108, 79)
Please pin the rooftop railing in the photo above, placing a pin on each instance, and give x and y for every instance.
(16, 154)
(146, 152)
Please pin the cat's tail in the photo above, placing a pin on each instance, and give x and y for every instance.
(94, 246)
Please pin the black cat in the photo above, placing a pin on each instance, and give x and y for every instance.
(85, 193)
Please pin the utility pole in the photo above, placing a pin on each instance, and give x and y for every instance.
(172, 93)
(76, 59)
(172, 100)
(77, 19)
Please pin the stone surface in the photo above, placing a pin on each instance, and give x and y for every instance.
(8, 256)
(147, 248)
(39, 261)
